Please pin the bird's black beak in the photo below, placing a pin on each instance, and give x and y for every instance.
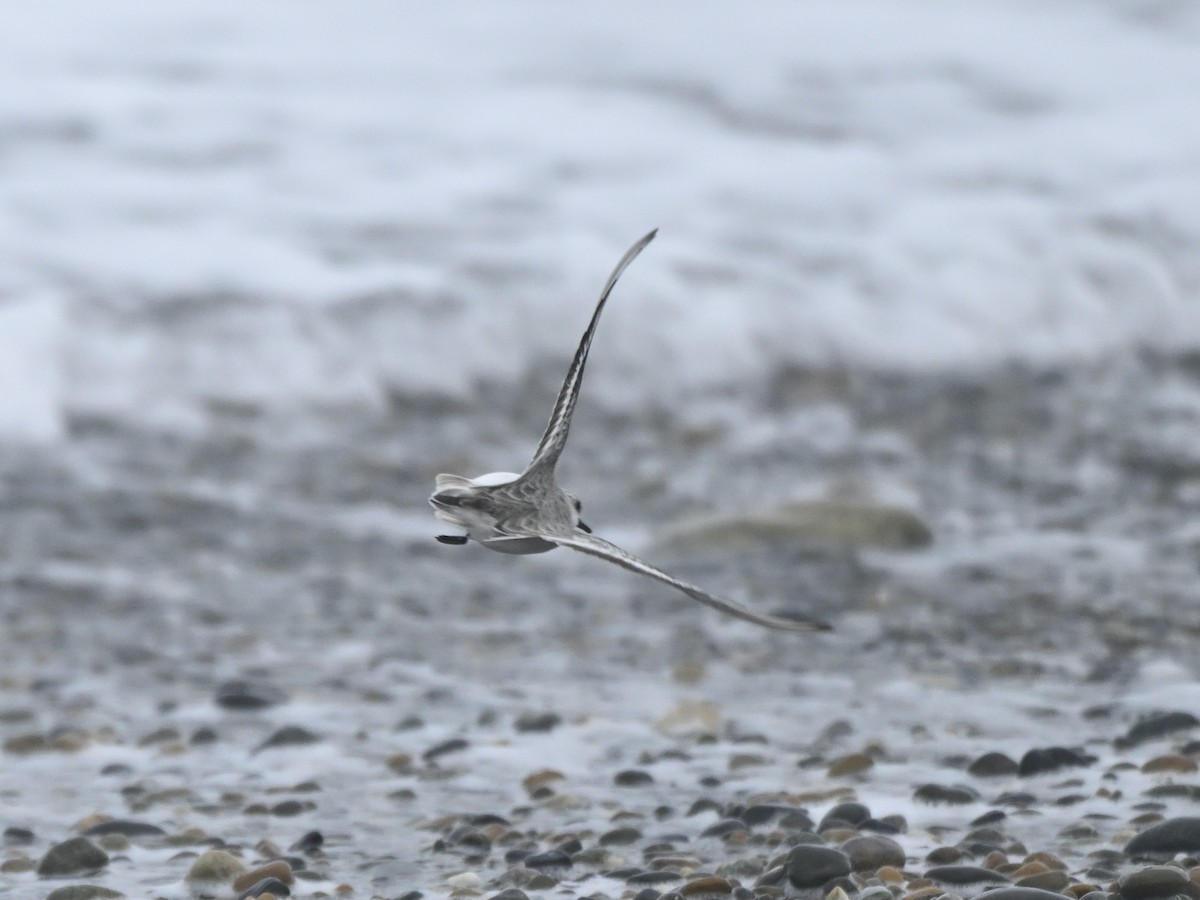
(583, 527)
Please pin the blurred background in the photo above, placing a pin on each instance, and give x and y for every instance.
(917, 350)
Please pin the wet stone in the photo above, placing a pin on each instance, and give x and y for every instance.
(712, 886)
(276, 870)
(660, 876)
(537, 722)
(619, 837)
(1153, 881)
(288, 736)
(453, 745)
(850, 814)
(15, 836)
(83, 892)
(1022, 893)
(1168, 837)
(550, 859)
(952, 795)
(965, 875)
(126, 827)
(311, 842)
(723, 828)
(632, 778)
(72, 856)
(1050, 759)
(811, 865)
(993, 765)
(1156, 726)
(266, 886)
(871, 852)
(510, 894)
(248, 695)
(1053, 880)
(647, 894)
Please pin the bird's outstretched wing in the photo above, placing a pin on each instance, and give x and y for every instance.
(555, 437)
(595, 546)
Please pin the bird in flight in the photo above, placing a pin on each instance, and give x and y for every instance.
(530, 513)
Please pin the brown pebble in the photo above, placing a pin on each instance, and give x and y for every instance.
(541, 777)
(276, 869)
(994, 859)
(14, 866)
(1171, 762)
(851, 764)
(1047, 859)
(746, 760)
(1036, 867)
(1078, 889)
(1053, 880)
(400, 763)
(712, 886)
(932, 890)
(889, 875)
(26, 743)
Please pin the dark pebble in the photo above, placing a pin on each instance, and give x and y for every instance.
(1021, 893)
(844, 814)
(944, 856)
(15, 836)
(661, 876)
(482, 820)
(510, 894)
(454, 745)
(77, 854)
(551, 859)
(810, 865)
(518, 854)
(952, 794)
(288, 736)
(619, 837)
(126, 827)
(1156, 726)
(310, 842)
(570, 846)
(960, 875)
(203, 735)
(117, 770)
(723, 828)
(1167, 837)
(647, 894)
(632, 778)
(1019, 799)
(761, 813)
(267, 885)
(991, 817)
(83, 892)
(883, 826)
(704, 804)
(872, 851)
(1051, 759)
(538, 722)
(288, 808)
(1186, 791)
(993, 765)
(248, 695)
(411, 895)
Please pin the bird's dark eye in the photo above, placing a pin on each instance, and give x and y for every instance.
(578, 506)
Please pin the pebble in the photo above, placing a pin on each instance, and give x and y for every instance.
(711, 886)
(277, 869)
(126, 827)
(83, 892)
(966, 875)
(288, 736)
(537, 722)
(245, 695)
(844, 814)
(811, 865)
(215, 867)
(619, 837)
(310, 843)
(551, 859)
(1154, 881)
(851, 764)
(1051, 759)
(510, 894)
(993, 765)
(1171, 762)
(632, 778)
(266, 887)
(453, 745)
(72, 856)
(15, 836)
(1156, 726)
(953, 795)
(1167, 837)
(870, 852)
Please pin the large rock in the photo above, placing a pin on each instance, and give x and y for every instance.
(72, 857)
(819, 522)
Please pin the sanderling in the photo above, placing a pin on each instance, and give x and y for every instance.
(530, 513)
